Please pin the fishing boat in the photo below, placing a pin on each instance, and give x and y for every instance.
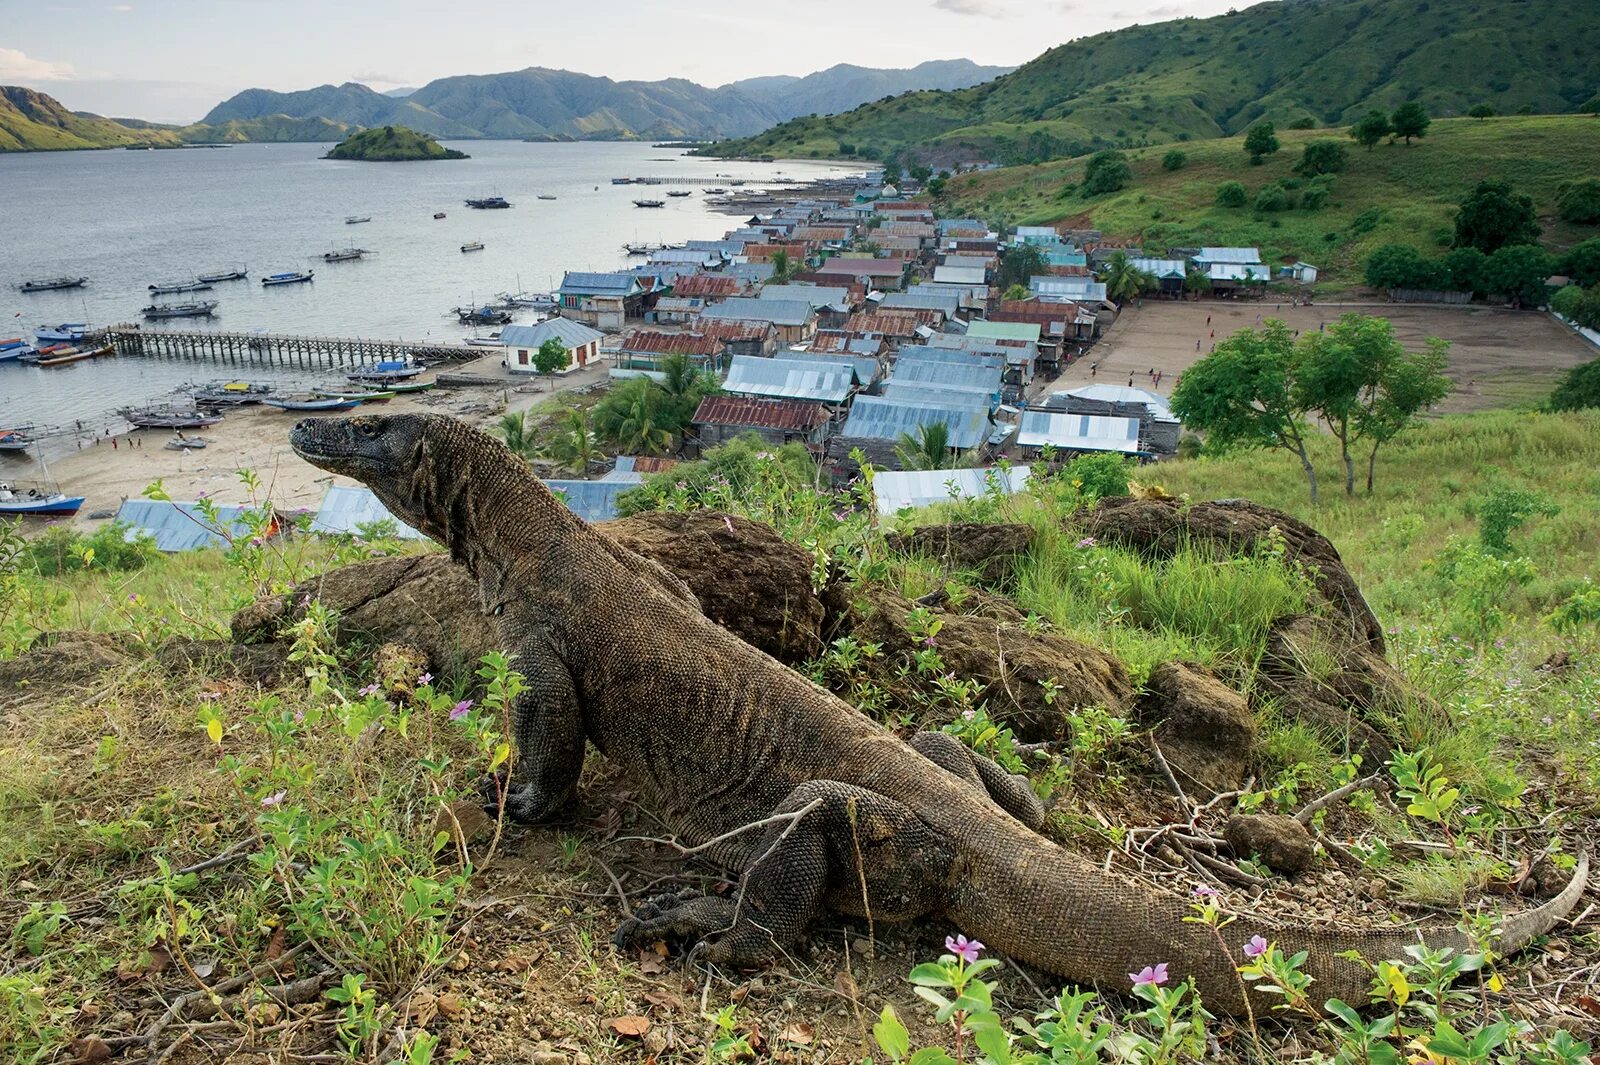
(644, 247)
(680, 192)
(51, 284)
(68, 332)
(649, 203)
(18, 439)
(363, 396)
(231, 394)
(71, 355)
(15, 501)
(406, 388)
(622, 181)
(438, 214)
(484, 315)
(198, 309)
(167, 416)
(312, 403)
(238, 274)
(489, 203)
(385, 373)
(355, 220)
(490, 341)
(343, 255)
(546, 196)
(472, 245)
(186, 443)
(718, 191)
(534, 300)
(162, 288)
(289, 277)
(14, 348)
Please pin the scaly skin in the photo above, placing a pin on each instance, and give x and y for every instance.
(723, 736)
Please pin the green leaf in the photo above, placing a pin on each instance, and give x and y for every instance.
(891, 1035)
(930, 974)
(932, 1056)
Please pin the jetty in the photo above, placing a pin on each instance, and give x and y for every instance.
(275, 349)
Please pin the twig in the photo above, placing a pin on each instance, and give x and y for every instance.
(228, 986)
(685, 852)
(1305, 812)
(622, 896)
(1172, 781)
(1228, 871)
(227, 857)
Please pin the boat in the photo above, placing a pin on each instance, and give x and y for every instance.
(489, 203)
(717, 191)
(312, 403)
(167, 416)
(70, 332)
(385, 372)
(289, 277)
(680, 192)
(231, 394)
(13, 501)
(490, 341)
(534, 300)
(649, 203)
(72, 355)
(51, 284)
(365, 396)
(224, 275)
(343, 255)
(186, 443)
(472, 245)
(18, 439)
(438, 214)
(357, 219)
(622, 181)
(484, 315)
(162, 288)
(406, 388)
(14, 348)
(198, 309)
(546, 196)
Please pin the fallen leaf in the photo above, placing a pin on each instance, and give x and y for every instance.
(204, 969)
(275, 944)
(421, 1008)
(665, 1000)
(450, 1004)
(1588, 1005)
(739, 993)
(651, 963)
(753, 1036)
(460, 962)
(630, 1025)
(90, 1048)
(799, 1034)
(845, 984)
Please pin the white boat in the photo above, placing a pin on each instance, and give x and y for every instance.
(472, 245)
(289, 277)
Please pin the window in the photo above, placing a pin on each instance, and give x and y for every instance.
(522, 356)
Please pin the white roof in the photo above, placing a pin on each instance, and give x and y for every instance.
(345, 509)
(959, 275)
(1102, 393)
(1078, 432)
(1077, 288)
(1229, 255)
(898, 489)
(1238, 272)
(1160, 267)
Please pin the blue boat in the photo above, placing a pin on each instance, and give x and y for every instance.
(312, 403)
(12, 350)
(288, 277)
(386, 371)
(66, 332)
(13, 501)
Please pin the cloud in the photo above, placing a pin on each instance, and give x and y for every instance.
(20, 68)
(983, 8)
(122, 7)
(378, 78)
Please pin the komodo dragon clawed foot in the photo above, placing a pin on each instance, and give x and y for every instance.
(1010, 791)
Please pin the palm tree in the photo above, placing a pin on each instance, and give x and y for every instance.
(573, 443)
(1123, 280)
(632, 417)
(514, 429)
(783, 268)
(929, 449)
(1196, 280)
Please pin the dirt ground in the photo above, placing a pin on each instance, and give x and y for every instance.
(1498, 358)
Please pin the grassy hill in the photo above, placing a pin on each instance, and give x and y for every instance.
(1392, 194)
(1323, 61)
(391, 144)
(33, 121)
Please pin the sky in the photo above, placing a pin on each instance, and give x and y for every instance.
(172, 60)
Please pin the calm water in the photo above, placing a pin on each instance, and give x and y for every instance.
(126, 219)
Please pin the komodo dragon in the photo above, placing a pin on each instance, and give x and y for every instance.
(722, 736)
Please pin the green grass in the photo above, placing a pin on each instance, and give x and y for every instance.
(1401, 194)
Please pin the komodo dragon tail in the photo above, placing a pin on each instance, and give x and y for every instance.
(1056, 910)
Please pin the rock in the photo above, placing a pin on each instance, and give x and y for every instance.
(260, 664)
(1158, 527)
(475, 826)
(1205, 728)
(1007, 660)
(990, 550)
(1281, 842)
(57, 661)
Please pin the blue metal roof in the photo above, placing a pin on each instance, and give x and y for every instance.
(345, 509)
(897, 489)
(614, 284)
(180, 526)
(815, 379)
(592, 500)
(880, 418)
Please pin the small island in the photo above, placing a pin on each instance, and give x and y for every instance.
(391, 144)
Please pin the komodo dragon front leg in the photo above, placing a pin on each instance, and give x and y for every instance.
(1010, 791)
(852, 850)
(547, 725)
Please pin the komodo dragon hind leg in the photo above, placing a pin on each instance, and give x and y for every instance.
(1009, 791)
(854, 851)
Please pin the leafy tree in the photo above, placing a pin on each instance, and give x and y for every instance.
(518, 435)
(1261, 140)
(1105, 172)
(1242, 395)
(1274, 197)
(1519, 271)
(1582, 262)
(1402, 266)
(573, 442)
(1123, 280)
(1580, 389)
(783, 267)
(1414, 382)
(1481, 111)
(1579, 202)
(1231, 194)
(551, 357)
(1467, 269)
(1591, 106)
(929, 449)
(1304, 123)
(633, 416)
(1017, 292)
(1581, 305)
(891, 172)
(1196, 280)
(1322, 157)
(921, 173)
(685, 384)
(1371, 129)
(1019, 265)
(1506, 509)
(1174, 160)
(750, 465)
(1493, 215)
(1410, 120)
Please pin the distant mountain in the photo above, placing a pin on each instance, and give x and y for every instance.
(1323, 62)
(542, 103)
(33, 121)
(401, 92)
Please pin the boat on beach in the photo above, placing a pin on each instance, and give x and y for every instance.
(489, 203)
(236, 274)
(186, 443)
(385, 373)
(311, 403)
(52, 284)
(31, 502)
(288, 277)
(472, 245)
(363, 396)
(231, 394)
(18, 439)
(167, 416)
(162, 288)
(198, 309)
(344, 255)
(406, 388)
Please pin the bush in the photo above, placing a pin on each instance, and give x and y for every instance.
(1106, 172)
(1402, 266)
(1582, 262)
(1579, 390)
(1467, 268)
(1231, 194)
(1261, 140)
(1304, 123)
(1322, 157)
(1579, 202)
(1519, 271)
(1366, 221)
(61, 549)
(1481, 111)
(1274, 197)
(1098, 476)
(1505, 510)
(1173, 160)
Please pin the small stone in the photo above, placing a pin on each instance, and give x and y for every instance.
(1281, 842)
(548, 1057)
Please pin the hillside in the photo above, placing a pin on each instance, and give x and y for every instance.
(1323, 61)
(1392, 194)
(391, 144)
(542, 103)
(32, 121)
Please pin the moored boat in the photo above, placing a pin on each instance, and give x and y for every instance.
(15, 501)
(71, 355)
(14, 349)
(198, 309)
(649, 203)
(546, 196)
(162, 288)
(534, 300)
(485, 315)
(385, 372)
(679, 192)
(69, 332)
(344, 255)
(472, 245)
(288, 277)
(235, 274)
(354, 220)
(51, 284)
(489, 203)
(363, 396)
(311, 403)
(438, 214)
(18, 439)
(167, 416)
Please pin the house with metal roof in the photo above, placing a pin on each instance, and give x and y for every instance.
(982, 329)
(604, 301)
(1210, 257)
(897, 490)
(750, 273)
(1169, 273)
(874, 273)
(923, 298)
(727, 247)
(1035, 235)
(695, 258)
(960, 275)
(522, 343)
(876, 423)
(970, 376)
(594, 500)
(1159, 428)
(1078, 432)
(786, 376)
(178, 526)
(1078, 289)
(643, 351)
(816, 295)
(719, 419)
(347, 509)
(1063, 255)
(794, 320)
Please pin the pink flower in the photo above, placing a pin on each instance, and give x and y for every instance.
(969, 715)
(962, 947)
(370, 689)
(1256, 947)
(1155, 975)
(274, 799)
(459, 711)
(426, 678)
(1205, 891)
(1087, 542)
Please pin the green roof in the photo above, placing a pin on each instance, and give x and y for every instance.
(1004, 330)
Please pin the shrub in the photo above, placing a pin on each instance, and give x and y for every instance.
(1106, 172)
(1505, 510)
(61, 549)
(1481, 111)
(1322, 157)
(1582, 262)
(1304, 123)
(1580, 389)
(1402, 266)
(1366, 221)
(1173, 160)
(1579, 202)
(1098, 476)
(1231, 194)
(1274, 197)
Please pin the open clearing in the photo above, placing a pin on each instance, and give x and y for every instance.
(1498, 358)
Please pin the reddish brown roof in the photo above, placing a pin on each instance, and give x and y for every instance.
(821, 233)
(839, 342)
(645, 341)
(733, 330)
(761, 252)
(791, 415)
(889, 325)
(984, 245)
(702, 285)
(1069, 271)
(652, 463)
(853, 267)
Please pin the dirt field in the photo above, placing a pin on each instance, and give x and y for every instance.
(1498, 358)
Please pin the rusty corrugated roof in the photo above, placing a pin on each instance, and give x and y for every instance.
(789, 415)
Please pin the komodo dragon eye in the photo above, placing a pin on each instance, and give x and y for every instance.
(366, 429)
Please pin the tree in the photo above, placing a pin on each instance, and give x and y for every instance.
(1402, 266)
(1242, 395)
(921, 173)
(1410, 120)
(633, 417)
(1519, 271)
(1493, 216)
(514, 429)
(685, 384)
(1019, 265)
(929, 449)
(1414, 382)
(1580, 389)
(573, 442)
(783, 268)
(891, 172)
(1123, 280)
(1196, 280)
(1481, 111)
(1105, 172)
(1173, 160)
(1017, 292)
(1322, 157)
(1579, 202)
(1582, 262)
(1467, 269)
(1580, 305)
(551, 356)
(1261, 140)
(1371, 129)
(1231, 194)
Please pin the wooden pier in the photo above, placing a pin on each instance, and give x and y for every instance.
(275, 349)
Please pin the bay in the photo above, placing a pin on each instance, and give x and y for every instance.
(126, 219)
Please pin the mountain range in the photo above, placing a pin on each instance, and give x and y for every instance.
(1297, 63)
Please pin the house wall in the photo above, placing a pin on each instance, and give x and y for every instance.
(520, 360)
